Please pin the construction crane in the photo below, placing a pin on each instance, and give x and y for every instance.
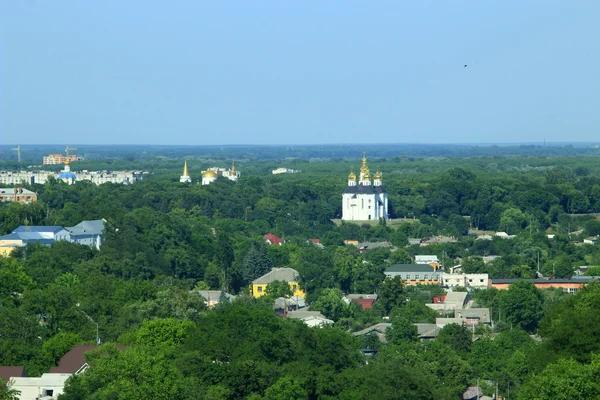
(18, 150)
(67, 150)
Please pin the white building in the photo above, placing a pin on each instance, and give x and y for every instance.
(96, 177)
(427, 260)
(185, 178)
(364, 201)
(285, 171)
(476, 281)
(211, 174)
(47, 386)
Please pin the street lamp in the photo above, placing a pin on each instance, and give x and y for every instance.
(94, 322)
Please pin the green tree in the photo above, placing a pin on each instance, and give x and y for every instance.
(286, 387)
(522, 305)
(401, 330)
(457, 337)
(277, 289)
(164, 332)
(8, 393)
(391, 294)
(256, 263)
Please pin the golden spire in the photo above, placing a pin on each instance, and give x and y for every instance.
(185, 169)
(232, 167)
(363, 166)
(377, 176)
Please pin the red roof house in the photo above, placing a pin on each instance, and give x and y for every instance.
(273, 239)
(74, 360)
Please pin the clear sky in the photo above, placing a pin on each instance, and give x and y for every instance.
(298, 72)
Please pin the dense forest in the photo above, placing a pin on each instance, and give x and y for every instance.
(163, 239)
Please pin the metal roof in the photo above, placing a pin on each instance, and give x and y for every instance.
(410, 268)
(278, 274)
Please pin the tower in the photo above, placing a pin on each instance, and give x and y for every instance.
(352, 179)
(186, 176)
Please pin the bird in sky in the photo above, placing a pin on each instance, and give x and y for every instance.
(465, 66)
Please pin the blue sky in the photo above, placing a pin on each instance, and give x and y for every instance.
(280, 72)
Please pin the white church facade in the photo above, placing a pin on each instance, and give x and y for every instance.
(364, 200)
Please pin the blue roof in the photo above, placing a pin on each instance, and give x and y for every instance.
(67, 175)
(25, 228)
(11, 236)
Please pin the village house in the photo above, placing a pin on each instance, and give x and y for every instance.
(259, 285)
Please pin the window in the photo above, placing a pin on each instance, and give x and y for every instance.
(48, 392)
(426, 277)
(481, 281)
(416, 277)
(259, 288)
(470, 280)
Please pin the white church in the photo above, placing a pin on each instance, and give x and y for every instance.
(364, 200)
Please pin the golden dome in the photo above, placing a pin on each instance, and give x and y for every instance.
(67, 162)
(209, 174)
(367, 176)
(351, 177)
(377, 176)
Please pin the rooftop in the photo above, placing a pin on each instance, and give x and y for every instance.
(410, 268)
(93, 227)
(278, 274)
(11, 372)
(27, 228)
(73, 360)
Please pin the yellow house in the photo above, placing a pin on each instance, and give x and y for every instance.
(9, 245)
(290, 275)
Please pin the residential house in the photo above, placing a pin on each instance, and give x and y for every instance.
(569, 285)
(474, 393)
(439, 240)
(476, 281)
(377, 330)
(504, 235)
(289, 275)
(73, 362)
(365, 301)
(213, 297)
(366, 246)
(316, 242)
(582, 270)
(469, 317)
(310, 318)
(451, 301)
(414, 274)
(590, 240)
(88, 233)
(17, 195)
(284, 305)
(427, 331)
(273, 239)
(351, 242)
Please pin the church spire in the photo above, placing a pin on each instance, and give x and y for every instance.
(186, 175)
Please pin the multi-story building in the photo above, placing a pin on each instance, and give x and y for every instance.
(97, 177)
(413, 274)
(17, 195)
(57, 159)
